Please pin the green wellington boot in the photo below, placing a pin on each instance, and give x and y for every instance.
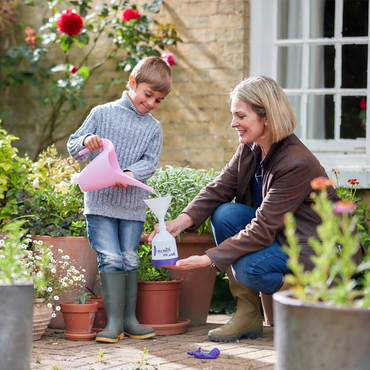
(113, 289)
(132, 327)
(247, 321)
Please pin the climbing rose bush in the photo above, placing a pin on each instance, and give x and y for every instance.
(70, 23)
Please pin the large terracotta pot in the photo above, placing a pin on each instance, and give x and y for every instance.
(79, 319)
(78, 249)
(197, 287)
(318, 336)
(16, 306)
(158, 301)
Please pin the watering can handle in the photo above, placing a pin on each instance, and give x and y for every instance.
(84, 151)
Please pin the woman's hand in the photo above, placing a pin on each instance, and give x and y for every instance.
(174, 227)
(191, 262)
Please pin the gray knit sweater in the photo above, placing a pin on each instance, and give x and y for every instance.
(137, 139)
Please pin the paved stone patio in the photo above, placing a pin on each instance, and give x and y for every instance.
(54, 352)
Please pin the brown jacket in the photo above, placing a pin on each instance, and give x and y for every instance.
(287, 171)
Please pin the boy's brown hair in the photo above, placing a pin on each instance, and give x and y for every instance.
(154, 71)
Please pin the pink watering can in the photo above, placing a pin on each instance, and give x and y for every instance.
(105, 171)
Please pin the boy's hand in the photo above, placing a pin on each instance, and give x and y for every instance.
(93, 143)
(121, 184)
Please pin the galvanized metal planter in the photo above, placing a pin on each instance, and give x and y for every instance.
(16, 307)
(317, 336)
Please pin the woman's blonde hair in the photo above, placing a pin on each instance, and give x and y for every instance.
(267, 98)
(154, 71)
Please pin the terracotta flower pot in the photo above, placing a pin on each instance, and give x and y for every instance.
(79, 318)
(78, 249)
(100, 321)
(197, 287)
(158, 301)
(158, 306)
(41, 318)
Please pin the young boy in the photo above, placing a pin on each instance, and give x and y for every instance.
(115, 215)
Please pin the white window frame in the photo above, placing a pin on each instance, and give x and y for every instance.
(350, 157)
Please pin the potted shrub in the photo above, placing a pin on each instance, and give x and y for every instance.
(158, 297)
(79, 315)
(46, 195)
(16, 297)
(323, 320)
(183, 184)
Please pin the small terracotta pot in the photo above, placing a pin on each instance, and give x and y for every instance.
(158, 302)
(100, 321)
(79, 318)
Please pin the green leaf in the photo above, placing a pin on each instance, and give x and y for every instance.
(84, 72)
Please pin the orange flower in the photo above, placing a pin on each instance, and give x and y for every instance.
(321, 183)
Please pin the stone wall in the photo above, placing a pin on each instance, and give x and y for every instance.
(210, 61)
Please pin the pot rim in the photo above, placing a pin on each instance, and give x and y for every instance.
(171, 281)
(285, 298)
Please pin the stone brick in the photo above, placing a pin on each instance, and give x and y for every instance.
(221, 21)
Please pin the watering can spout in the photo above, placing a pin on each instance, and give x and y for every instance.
(104, 171)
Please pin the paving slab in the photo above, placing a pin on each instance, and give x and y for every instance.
(54, 352)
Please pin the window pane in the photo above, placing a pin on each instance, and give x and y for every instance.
(354, 66)
(289, 66)
(321, 67)
(320, 117)
(295, 100)
(289, 19)
(355, 20)
(322, 18)
(353, 117)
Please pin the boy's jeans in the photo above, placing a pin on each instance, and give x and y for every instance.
(115, 241)
(262, 270)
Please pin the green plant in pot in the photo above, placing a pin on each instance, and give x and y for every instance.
(321, 322)
(17, 286)
(183, 184)
(79, 315)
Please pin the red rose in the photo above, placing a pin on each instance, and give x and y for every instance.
(169, 58)
(70, 23)
(130, 14)
(363, 103)
(73, 69)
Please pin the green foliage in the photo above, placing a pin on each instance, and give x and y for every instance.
(222, 299)
(332, 278)
(44, 193)
(183, 184)
(146, 271)
(82, 298)
(61, 88)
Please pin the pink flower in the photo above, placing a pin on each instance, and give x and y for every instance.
(169, 58)
(31, 38)
(73, 69)
(130, 14)
(363, 103)
(344, 207)
(36, 183)
(335, 171)
(70, 23)
(321, 183)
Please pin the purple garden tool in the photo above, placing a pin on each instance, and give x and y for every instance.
(104, 171)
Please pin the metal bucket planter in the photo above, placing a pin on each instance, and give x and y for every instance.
(317, 336)
(16, 307)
